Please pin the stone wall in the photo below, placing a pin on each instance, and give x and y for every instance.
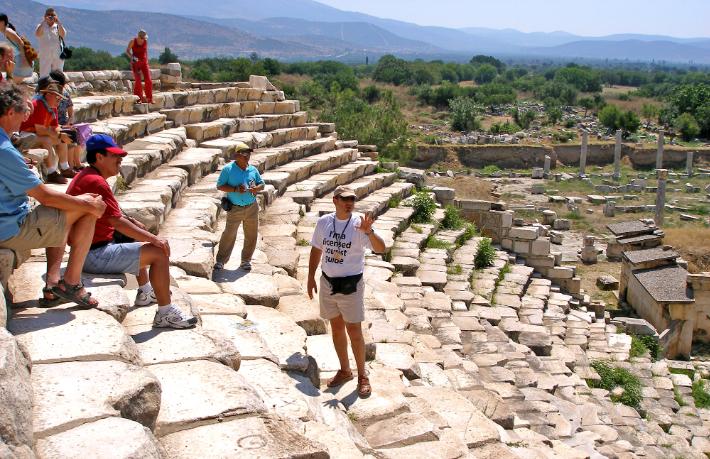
(645, 306)
(528, 156)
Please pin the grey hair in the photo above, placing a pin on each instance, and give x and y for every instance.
(5, 49)
(12, 97)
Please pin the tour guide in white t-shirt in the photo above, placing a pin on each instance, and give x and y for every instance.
(339, 243)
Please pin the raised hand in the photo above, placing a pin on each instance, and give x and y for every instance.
(366, 223)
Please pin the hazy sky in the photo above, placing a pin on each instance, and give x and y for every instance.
(680, 18)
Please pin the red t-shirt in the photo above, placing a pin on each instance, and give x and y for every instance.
(41, 116)
(90, 181)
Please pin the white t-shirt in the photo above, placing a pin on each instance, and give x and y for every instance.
(49, 40)
(343, 245)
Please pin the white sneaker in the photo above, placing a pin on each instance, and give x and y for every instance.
(218, 265)
(145, 299)
(246, 266)
(173, 317)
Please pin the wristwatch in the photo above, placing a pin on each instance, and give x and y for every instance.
(371, 232)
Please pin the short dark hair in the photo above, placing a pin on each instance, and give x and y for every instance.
(91, 155)
(4, 18)
(12, 97)
(49, 11)
(58, 76)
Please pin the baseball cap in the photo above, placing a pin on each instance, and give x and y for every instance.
(104, 142)
(242, 147)
(344, 192)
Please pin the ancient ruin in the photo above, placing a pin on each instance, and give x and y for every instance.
(496, 361)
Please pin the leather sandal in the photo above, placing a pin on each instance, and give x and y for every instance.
(72, 294)
(340, 378)
(364, 389)
(49, 299)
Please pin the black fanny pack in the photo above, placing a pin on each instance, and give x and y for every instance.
(226, 204)
(346, 285)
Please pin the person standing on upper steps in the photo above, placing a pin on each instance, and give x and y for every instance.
(137, 52)
(49, 32)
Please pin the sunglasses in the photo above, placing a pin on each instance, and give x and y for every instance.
(347, 198)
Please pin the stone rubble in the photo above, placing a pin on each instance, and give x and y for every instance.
(464, 362)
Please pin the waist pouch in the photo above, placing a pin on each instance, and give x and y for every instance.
(226, 204)
(346, 285)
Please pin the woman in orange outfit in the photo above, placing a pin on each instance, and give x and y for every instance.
(137, 52)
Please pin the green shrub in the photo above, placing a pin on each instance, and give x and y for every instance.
(687, 126)
(417, 229)
(394, 202)
(638, 348)
(700, 394)
(435, 243)
(456, 269)
(464, 114)
(303, 243)
(613, 377)
(678, 397)
(452, 218)
(485, 254)
(490, 169)
(468, 232)
(424, 207)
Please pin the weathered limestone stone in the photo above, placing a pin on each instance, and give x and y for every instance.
(252, 287)
(387, 397)
(198, 391)
(243, 335)
(474, 428)
(283, 337)
(304, 311)
(15, 393)
(396, 355)
(257, 437)
(276, 388)
(73, 393)
(223, 304)
(109, 437)
(402, 430)
(60, 335)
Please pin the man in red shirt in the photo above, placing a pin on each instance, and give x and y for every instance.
(43, 123)
(108, 257)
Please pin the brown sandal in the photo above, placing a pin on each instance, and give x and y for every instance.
(364, 389)
(340, 378)
(72, 293)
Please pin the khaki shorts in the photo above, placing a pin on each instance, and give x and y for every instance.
(43, 227)
(351, 307)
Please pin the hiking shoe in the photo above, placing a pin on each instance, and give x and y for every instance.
(55, 177)
(219, 265)
(246, 266)
(145, 299)
(340, 378)
(173, 317)
(68, 173)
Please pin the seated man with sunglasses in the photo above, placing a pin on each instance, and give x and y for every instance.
(338, 244)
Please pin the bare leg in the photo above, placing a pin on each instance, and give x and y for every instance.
(357, 342)
(142, 276)
(340, 341)
(159, 272)
(81, 233)
(62, 152)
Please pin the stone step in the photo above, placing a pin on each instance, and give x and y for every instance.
(376, 202)
(200, 113)
(126, 128)
(91, 108)
(296, 171)
(305, 191)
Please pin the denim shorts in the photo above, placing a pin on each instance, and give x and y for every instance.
(114, 259)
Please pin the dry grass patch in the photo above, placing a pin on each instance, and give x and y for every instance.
(693, 243)
(466, 186)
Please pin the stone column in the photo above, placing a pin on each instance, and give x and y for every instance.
(589, 252)
(659, 152)
(660, 196)
(583, 153)
(546, 168)
(689, 164)
(610, 208)
(617, 156)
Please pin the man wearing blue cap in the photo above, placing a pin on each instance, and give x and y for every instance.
(59, 216)
(147, 251)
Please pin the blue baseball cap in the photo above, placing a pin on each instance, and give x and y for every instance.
(104, 142)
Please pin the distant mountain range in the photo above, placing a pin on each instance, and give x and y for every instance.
(306, 29)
